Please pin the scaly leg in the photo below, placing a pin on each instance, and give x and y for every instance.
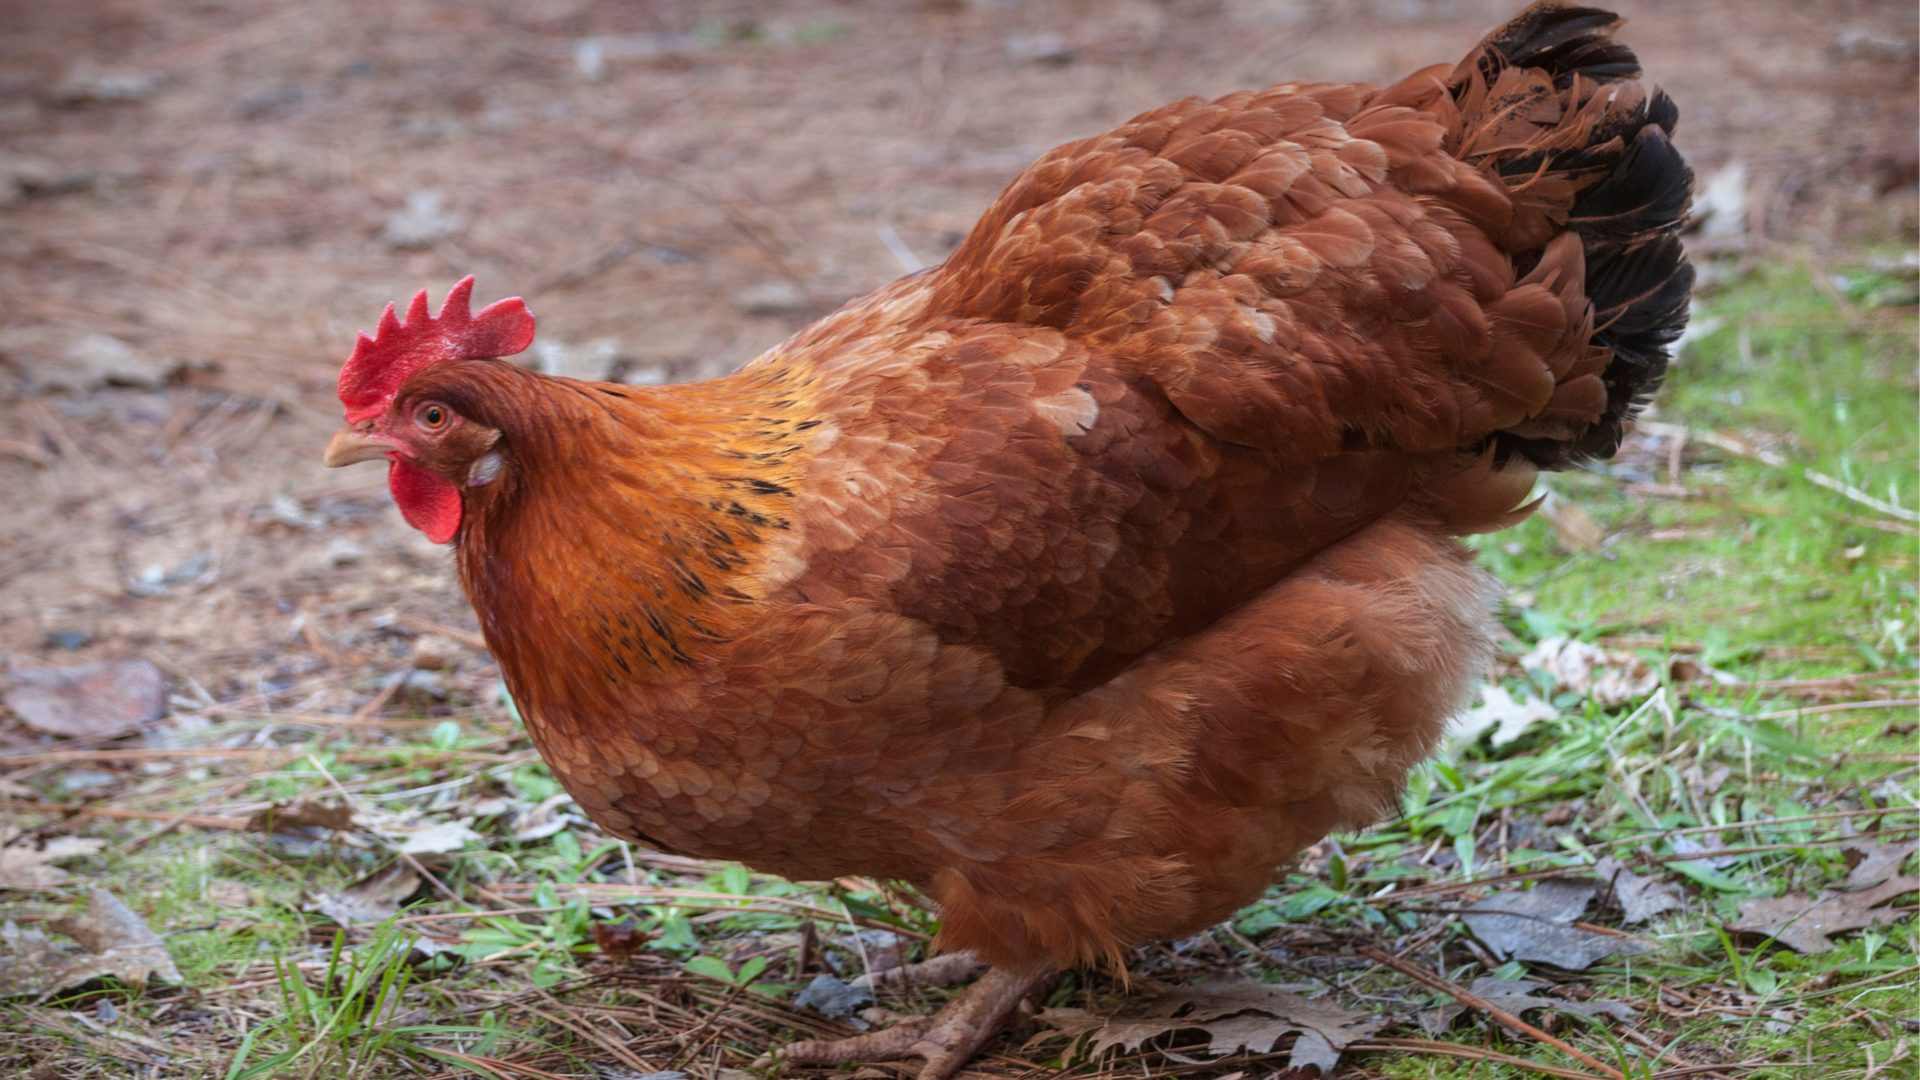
(946, 1040)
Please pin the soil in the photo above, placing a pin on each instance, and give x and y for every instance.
(201, 203)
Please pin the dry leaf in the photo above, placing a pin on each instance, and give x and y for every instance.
(89, 701)
(620, 940)
(1575, 527)
(1803, 924)
(22, 867)
(300, 814)
(1515, 996)
(230, 894)
(373, 898)
(1608, 676)
(829, 996)
(117, 941)
(545, 819)
(1641, 898)
(1235, 1015)
(439, 838)
(1508, 718)
(1537, 925)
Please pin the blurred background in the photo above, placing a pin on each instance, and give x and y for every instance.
(200, 203)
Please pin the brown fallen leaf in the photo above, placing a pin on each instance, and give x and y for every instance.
(101, 700)
(26, 867)
(1516, 996)
(620, 940)
(1537, 925)
(1803, 923)
(1608, 676)
(371, 899)
(1641, 898)
(300, 814)
(1235, 1015)
(1575, 527)
(117, 942)
(230, 894)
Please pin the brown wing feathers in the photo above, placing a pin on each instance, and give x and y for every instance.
(1305, 266)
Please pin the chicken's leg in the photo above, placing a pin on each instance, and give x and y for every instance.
(947, 1040)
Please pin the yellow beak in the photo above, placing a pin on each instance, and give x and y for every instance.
(348, 446)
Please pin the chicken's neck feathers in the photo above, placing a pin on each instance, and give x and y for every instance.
(619, 548)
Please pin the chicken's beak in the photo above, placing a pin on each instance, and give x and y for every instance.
(348, 446)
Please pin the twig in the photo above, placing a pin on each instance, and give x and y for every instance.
(654, 894)
(1743, 449)
(1467, 997)
(166, 827)
(496, 1064)
(203, 821)
(425, 625)
(380, 699)
(1883, 977)
(1845, 706)
(1894, 527)
(1854, 493)
(405, 857)
(604, 1042)
(1472, 1053)
(1826, 816)
(170, 754)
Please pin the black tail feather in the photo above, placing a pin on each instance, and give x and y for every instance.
(1628, 219)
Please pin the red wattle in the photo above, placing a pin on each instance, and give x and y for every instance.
(429, 503)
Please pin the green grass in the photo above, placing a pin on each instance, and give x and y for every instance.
(1757, 572)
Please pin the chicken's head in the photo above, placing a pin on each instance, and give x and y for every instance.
(420, 436)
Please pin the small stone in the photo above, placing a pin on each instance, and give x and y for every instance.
(344, 553)
(829, 996)
(69, 640)
(1045, 47)
(773, 298)
(85, 779)
(421, 222)
(89, 701)
(95, 360)
(431, 652)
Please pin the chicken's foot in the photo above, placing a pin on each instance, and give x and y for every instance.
(947, 1040)
(943, 970)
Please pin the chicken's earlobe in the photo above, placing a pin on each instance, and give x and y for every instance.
(485, 469)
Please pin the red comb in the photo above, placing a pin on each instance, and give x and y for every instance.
(379, 364)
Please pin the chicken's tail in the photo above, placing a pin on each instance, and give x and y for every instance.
(1550, 103)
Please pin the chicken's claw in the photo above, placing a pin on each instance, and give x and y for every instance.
(946, 1040)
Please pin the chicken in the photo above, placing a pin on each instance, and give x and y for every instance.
(1084, 579)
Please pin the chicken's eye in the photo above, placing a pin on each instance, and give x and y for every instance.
(433, 416)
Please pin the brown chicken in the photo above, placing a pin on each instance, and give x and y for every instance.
(1084, 579)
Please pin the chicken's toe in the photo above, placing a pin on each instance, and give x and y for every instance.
(946, 1040)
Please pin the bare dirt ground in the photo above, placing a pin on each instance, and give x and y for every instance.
(201, 203)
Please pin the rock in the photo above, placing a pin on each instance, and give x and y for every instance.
(69, 640)
(102, 700)
(85, 82)
(22, 175)
(593, 361)
(92, 361)
(1044, 47)
(431, 652)
(829, 996)
(422, 221)
(773, 298)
